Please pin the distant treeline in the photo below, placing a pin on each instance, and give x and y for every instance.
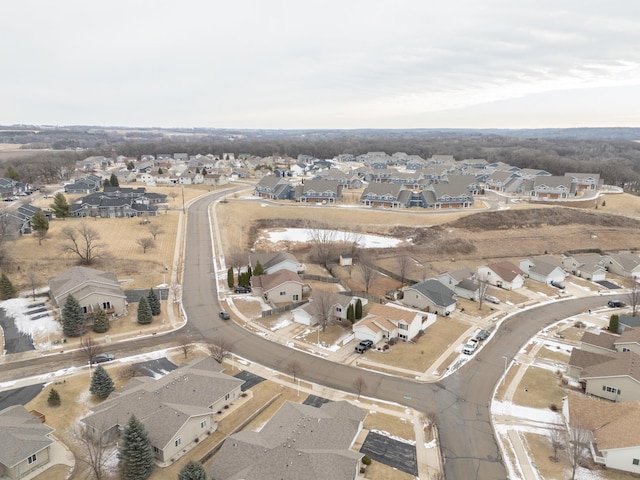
(579, 150)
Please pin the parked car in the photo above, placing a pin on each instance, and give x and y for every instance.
(224, 315)
(482, 335)
(241, 289)
(558, 285)
(363, 346)
(469, 348)
(103, 357)
(492, 299)
(615, 303)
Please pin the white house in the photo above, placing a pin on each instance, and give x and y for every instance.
(589, 266)
(545, 269)
(608, 428)
(307, 314)
(274, 261)
(504, 275)
(390, 321)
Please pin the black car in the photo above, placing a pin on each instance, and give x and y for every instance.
(363, 346)
(224, 315)
(103, 357)
(615, 303)
(241, 289)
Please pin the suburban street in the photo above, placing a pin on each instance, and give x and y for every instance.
(461, 401)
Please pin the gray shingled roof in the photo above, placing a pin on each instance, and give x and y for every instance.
(81, 281)
(299, 442)
(22, 435)
(436, 292)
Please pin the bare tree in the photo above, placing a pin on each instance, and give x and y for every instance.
(431, 421)
(403, 261)
(321, 305)
(186, 346)
(40, 235)
(8, 229)
(323, 238)
(633, 297)
(219, 349)
(557, 442)
(368, 273)
(360, 386)
(146, 243)
(173, 196)
(236, 259)
(33, 279)
(578, 441)
(155, 230)
(483, 286)
(175, 289)
(95, 449)
(90, 348)
(295, 368)
(83, 242)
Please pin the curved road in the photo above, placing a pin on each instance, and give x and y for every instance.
(461, 401)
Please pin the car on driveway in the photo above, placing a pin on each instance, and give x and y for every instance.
(363, 346)
(469, 348)
(241, 289)
(492, 299)
(224, 315)
(103, 357)
(482, 335)
(615, 303)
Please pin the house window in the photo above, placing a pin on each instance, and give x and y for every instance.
(106, 305)
(85, 309)
(31, 459)
(295, 298)
(611, 389)
(402, 326)
(636, 461)
(178, 442)
(227, 396)
(203, 424)
(625, 349)
(283, 293)
(156, 450)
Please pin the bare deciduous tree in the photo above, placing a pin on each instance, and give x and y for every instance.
(175, 289)
(173, 196)
(557, 442)
(295, 368)
(431, 421)
(186, 346)
(33, 279)
(146, 243)
(360, 386)
(236, 259)
(368, 273)
(155, 230)
(323, 238)
(90, 348)
(633, 297)
(321, 305)
(219, 349)
(95, 449)
(578, 441)
(403, 261)
(483, 286)
(83, 242)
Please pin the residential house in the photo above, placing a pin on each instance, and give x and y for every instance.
(91, 183)
(589, 266)
(544, 269)
(462, 281)
(616, 379)
(610, 430)
(585, 181)
(623, 264)
(628, 321)
(504, 181)
(91, 288)
(454, 193)
(26, 443)
(280, 287)
(430, 295)
(504, 275)
(389, 195)
(274, 261)
(300, 441)
(334, 305)
(581, 359)
(273, 187)
(177, 410)
(215, 179)
(552, 187)
(384, 322)
(318, 191)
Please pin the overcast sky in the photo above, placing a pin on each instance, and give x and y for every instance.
(321, 64)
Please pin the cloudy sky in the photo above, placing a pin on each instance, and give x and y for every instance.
(321, 64)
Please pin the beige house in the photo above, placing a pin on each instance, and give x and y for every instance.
(25, 444)
(283, 286)
(504, 275)
(177, 410)
(91, 288)
(389, 321)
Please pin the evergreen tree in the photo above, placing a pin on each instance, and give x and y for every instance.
(40, 225)
(230, 277)
(351, 314)
(259, 270)
(106, 183)
(204, 171)
(7, 290)
(72, 318)
(192, 471)
(130, 166)
(100, 321)
(53, 400)
(197, 170)
(613, 323)
(12, 173)
(144, 311)
(136, 452)
(160, 172)
(249, 272)
(60, 207)
(101, 383)
(154, 302)
(358, 309)
(114, 180)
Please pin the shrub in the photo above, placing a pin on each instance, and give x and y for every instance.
(553, 407)
(54, 398)
(579, 324)
(366, 460)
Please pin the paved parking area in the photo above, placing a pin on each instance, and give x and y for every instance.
(155, 368)
(391, 452)
(250, 380)
(315, 401)
(608, 284)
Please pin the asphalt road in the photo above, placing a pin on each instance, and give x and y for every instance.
(461, 401)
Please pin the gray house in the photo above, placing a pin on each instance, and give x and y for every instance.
(431, 295)
(299, 442)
